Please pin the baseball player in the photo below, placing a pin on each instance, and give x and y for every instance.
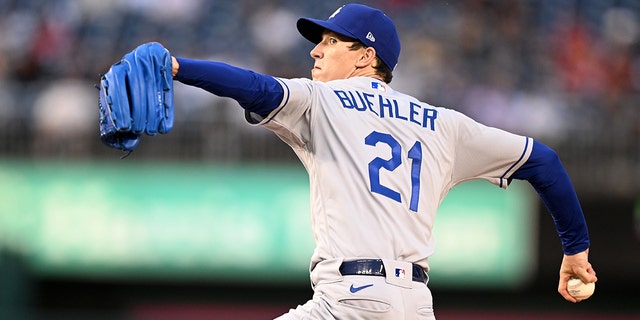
(380, 162)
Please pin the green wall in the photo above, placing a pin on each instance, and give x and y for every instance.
(123, 220)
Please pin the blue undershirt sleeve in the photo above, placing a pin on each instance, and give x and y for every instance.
(255, 92)
(544, 171)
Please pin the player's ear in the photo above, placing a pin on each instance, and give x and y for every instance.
(367, 58)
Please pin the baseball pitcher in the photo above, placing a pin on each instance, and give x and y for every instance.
(380, 162)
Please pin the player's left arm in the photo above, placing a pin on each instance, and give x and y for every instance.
(255, 92)
(545, 172)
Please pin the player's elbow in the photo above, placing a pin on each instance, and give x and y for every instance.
(547, 156)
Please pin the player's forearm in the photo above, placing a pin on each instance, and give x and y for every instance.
(549, 178)
(255, 92)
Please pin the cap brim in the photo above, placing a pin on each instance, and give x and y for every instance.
(312, 29)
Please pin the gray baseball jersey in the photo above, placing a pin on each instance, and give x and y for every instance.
(380, 163)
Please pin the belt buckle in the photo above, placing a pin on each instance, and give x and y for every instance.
(398, 273)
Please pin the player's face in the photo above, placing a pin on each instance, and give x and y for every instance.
(333, 58)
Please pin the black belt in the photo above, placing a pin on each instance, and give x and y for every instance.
(375, 267)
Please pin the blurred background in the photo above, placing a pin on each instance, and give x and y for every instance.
(211, 221)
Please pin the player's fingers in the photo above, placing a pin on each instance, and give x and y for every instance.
(562, 289)
(587, 274)
(592, 272)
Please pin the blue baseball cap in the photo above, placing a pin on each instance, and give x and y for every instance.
(371, 26)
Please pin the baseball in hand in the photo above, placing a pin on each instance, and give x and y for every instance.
(579, 289)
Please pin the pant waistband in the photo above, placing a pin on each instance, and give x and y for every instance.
(375, 267)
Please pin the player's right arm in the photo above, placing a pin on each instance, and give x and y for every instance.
(499, 156)
(545, 172)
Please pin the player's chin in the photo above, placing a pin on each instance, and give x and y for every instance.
(318, 75)
(315, 75)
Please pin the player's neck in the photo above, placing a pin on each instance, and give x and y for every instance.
(365, 72)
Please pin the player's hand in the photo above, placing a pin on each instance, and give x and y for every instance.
(175, 66)
(575, 265)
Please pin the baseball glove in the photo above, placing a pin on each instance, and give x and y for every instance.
(136, 97)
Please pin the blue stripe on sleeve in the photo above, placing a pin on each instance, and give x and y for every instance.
(524, 151)
(544, 171)
(285, 99)
(255, 92)
(251, 118)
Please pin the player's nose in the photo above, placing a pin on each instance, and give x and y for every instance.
(316, 52)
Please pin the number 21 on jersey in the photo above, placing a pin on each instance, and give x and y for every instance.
(397, 155)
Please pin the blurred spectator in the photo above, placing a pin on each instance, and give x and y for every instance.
(621, 31)
(266, 21)
(579, 58)
(65, 118)
(166, 11)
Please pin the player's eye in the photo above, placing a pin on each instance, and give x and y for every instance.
(333, 41)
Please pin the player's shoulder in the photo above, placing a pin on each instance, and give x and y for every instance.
(440, 109)
(320, 88)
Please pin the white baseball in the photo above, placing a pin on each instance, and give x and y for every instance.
(579, 289)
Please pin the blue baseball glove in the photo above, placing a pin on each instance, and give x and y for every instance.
(136, 97)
